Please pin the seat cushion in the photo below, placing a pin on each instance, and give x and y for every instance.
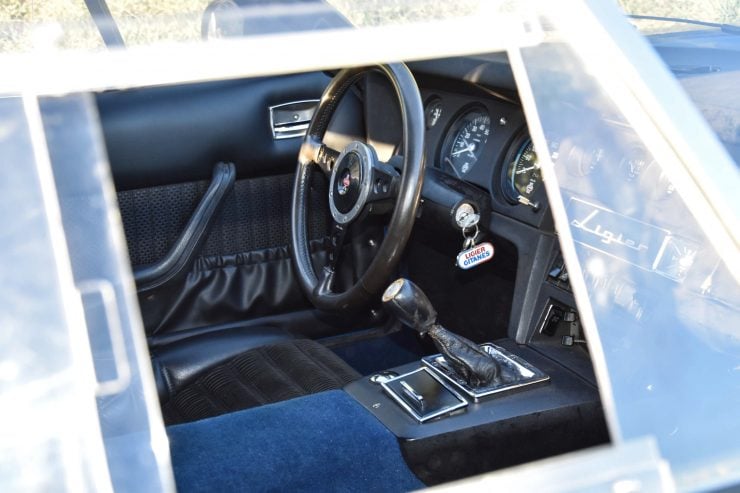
(179, 362)
(267, 374)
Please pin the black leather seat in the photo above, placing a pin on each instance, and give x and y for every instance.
(229, 370)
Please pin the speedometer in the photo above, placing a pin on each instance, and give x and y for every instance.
(522, 177)
(465, 141)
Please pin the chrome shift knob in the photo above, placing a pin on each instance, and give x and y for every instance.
(409, 303)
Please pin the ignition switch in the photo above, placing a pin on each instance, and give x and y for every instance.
(465, 216)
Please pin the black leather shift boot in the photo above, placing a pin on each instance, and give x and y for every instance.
(468, 360)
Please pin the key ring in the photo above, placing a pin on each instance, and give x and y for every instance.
(469, 241)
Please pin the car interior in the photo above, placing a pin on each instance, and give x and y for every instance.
(263, 285)
(350, 279)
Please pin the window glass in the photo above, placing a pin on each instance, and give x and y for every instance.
(660, 303)
(716, 11)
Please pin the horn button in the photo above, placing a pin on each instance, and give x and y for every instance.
(351, 182)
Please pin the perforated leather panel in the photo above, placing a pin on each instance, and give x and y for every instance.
(256, 215)
(154, 217)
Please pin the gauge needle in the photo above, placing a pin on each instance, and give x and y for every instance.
(524, 170)
(470, 148)
(453, 167)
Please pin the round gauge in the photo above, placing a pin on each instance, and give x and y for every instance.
(639, 167)
(582, 162)
(634, 164)
(465, 142)
(523, 177)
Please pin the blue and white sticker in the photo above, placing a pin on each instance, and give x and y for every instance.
(479, 254)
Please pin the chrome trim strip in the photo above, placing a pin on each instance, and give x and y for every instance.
(548, 311)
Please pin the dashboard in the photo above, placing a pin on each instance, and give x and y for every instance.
(479, 136)
(482, 139)
(476, 134)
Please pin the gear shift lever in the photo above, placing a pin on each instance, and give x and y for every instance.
(413, 308)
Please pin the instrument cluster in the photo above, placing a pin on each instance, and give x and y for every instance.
(484, 141)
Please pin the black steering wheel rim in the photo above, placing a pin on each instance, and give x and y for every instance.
(314, 153)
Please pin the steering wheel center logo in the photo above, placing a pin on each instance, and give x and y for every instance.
(344, 182)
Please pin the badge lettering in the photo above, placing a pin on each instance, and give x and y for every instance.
(607, 237)
(475, 256)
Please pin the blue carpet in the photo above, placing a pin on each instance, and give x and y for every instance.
(320, 443)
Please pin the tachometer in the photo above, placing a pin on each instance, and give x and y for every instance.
(465, 141)
(522, 176)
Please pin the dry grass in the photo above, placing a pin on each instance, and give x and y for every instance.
(383, 12)
(148, 21)
(20, 20)
(140, 22)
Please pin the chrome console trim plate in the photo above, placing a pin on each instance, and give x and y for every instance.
(515, 373)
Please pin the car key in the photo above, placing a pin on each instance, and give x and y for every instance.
(471, 255)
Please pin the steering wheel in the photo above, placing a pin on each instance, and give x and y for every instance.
(359, 183)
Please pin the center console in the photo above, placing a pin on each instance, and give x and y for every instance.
(456, 415)
(558, 415)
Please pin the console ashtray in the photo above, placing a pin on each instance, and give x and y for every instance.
(423, 394)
